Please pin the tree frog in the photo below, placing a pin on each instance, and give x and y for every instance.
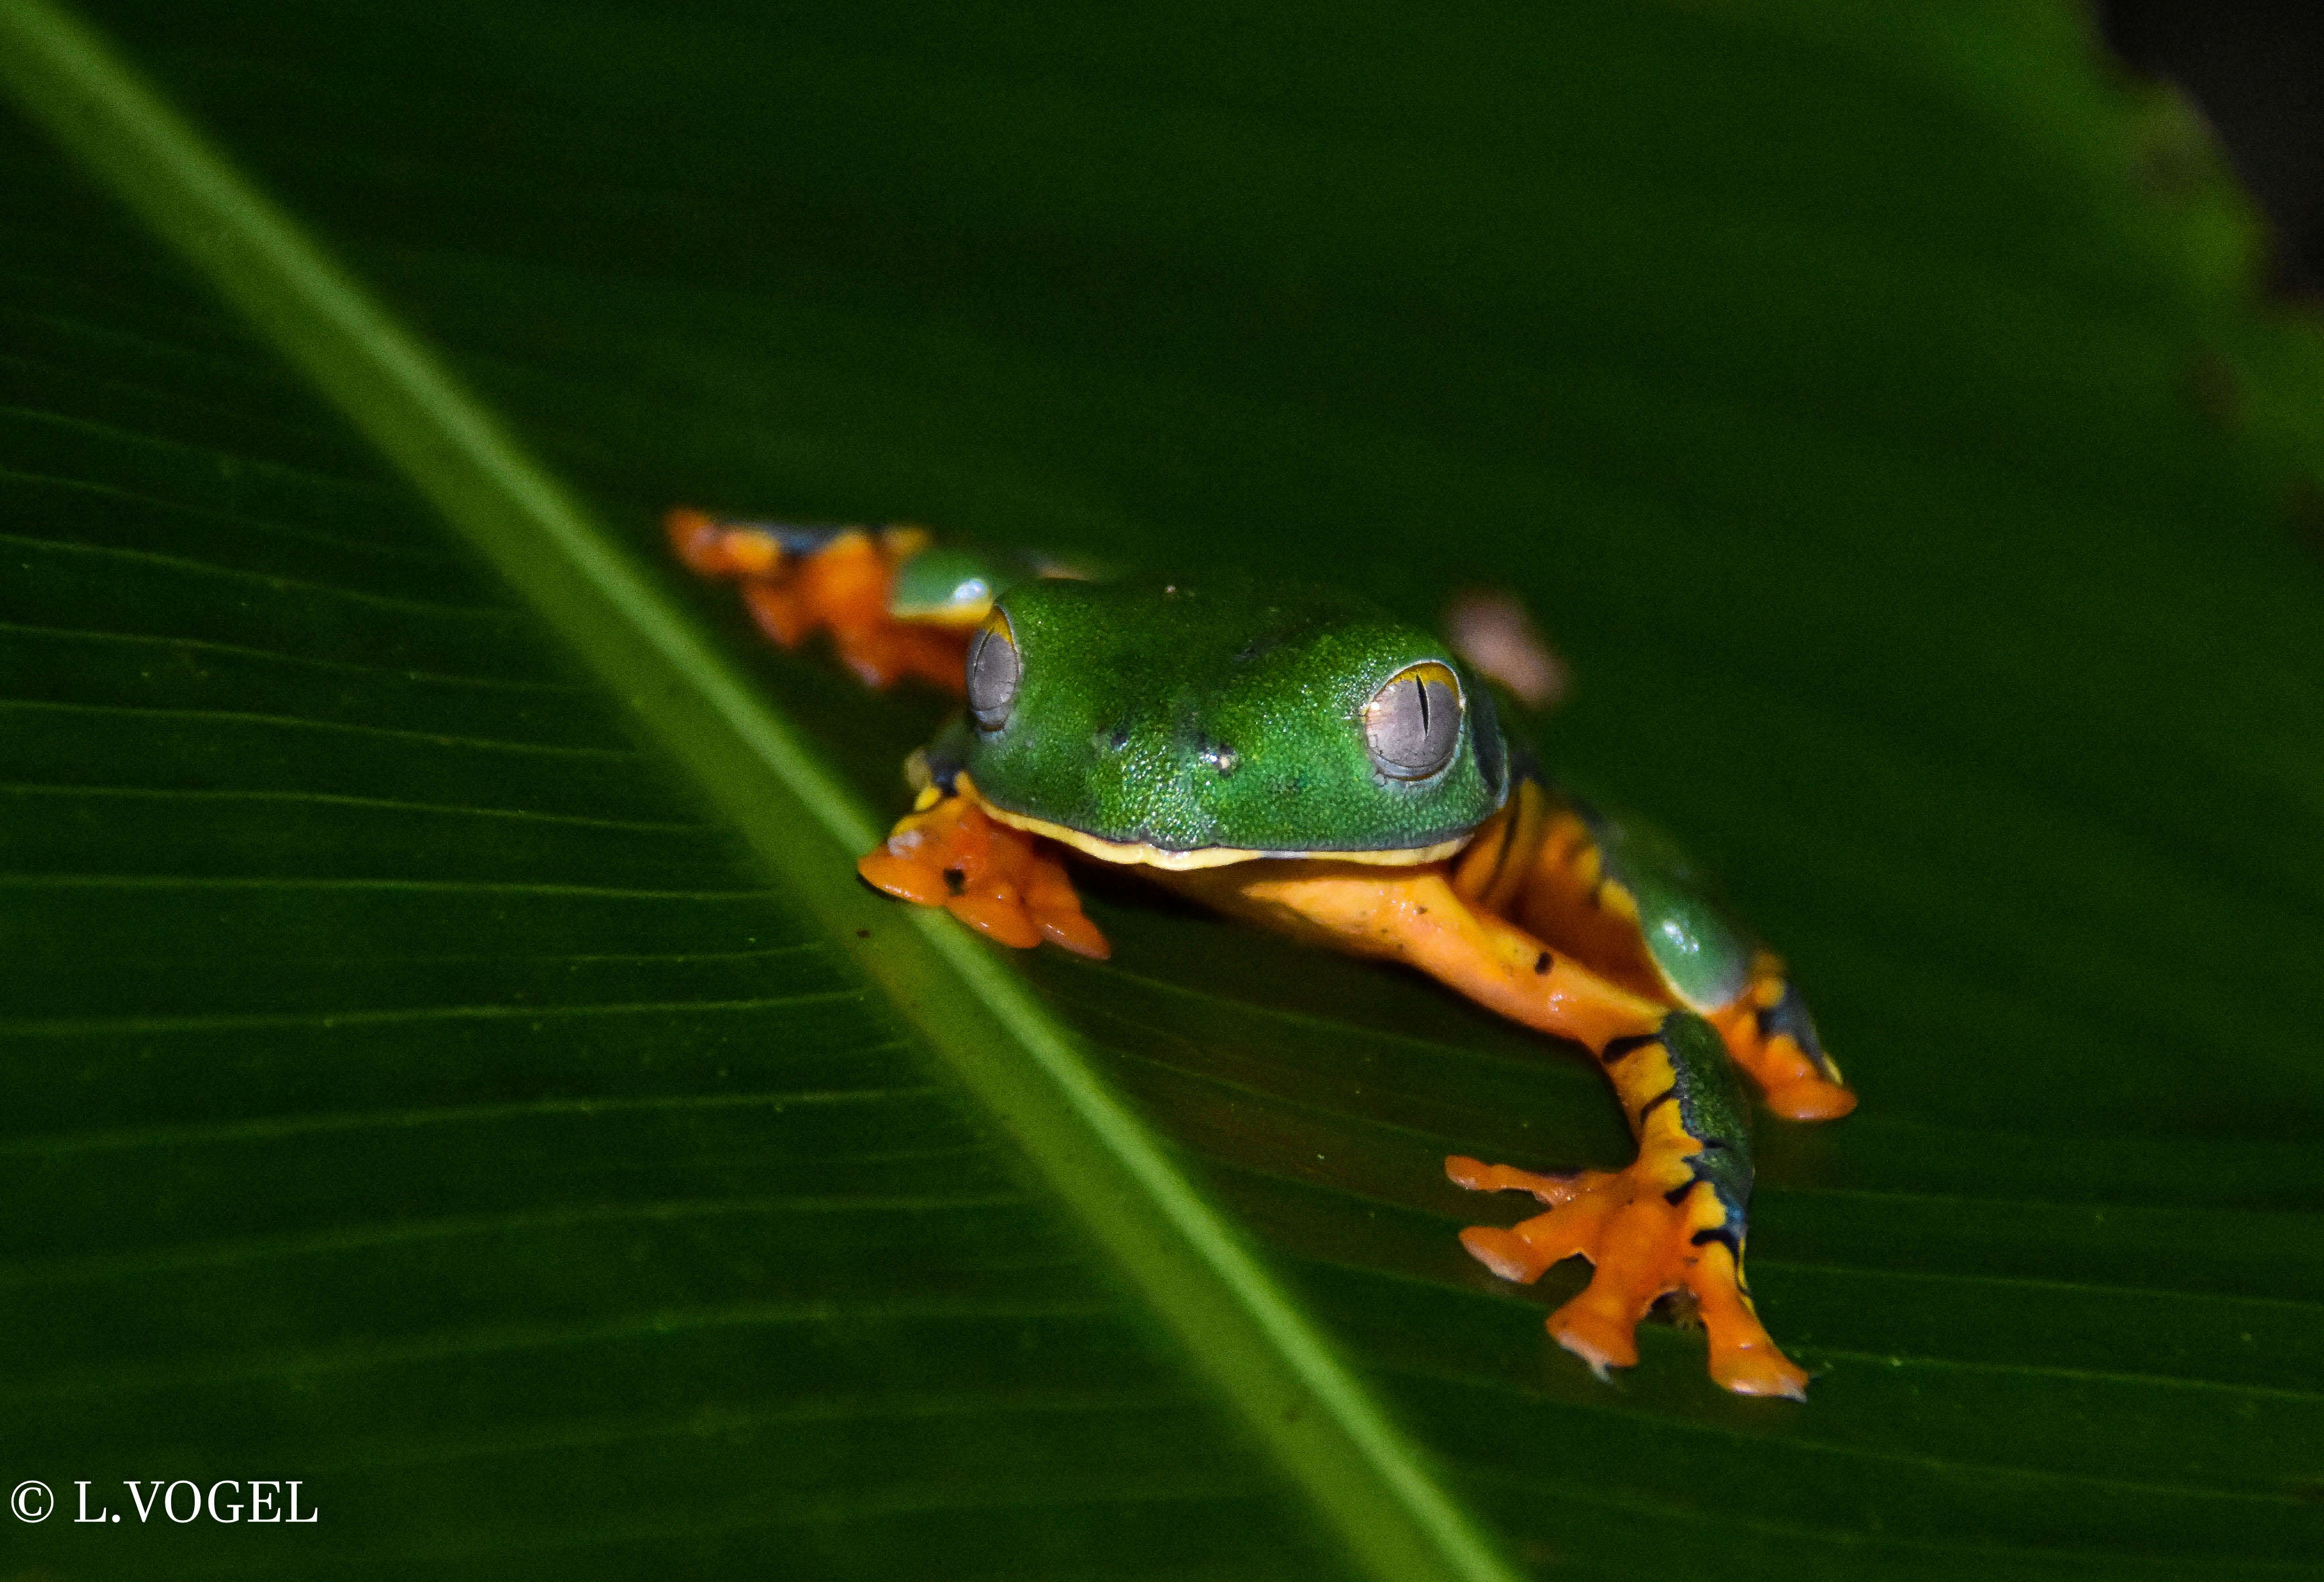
(1301, 760)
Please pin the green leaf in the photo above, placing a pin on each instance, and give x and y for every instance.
(1187, 1266)
(413, 1087)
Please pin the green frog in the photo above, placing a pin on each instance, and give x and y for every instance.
(1298, 758)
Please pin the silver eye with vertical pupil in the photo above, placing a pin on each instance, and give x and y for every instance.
(1413, 724)
(994, 669)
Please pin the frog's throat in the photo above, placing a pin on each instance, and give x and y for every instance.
(1134, 854)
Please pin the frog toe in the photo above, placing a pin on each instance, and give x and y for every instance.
(1809, 1099)
(1743, 1359)
(1551, 1188)
(1600, 1336)
(997, 912)
(1505, 1253)
(1055, 908)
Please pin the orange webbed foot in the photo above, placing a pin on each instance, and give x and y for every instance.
(840, 585)
(997, 879)
(1809, 1099)
(1769, 1031)
(718, 549)
(1644, 1247)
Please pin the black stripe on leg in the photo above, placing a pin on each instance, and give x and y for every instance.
(1501, 858)
(1723, 1235)
(1656, 1102)
(1618, 1047)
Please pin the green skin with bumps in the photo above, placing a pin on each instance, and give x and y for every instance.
(1222, 714)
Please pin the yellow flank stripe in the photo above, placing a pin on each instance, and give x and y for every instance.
(1130, 853)
(960, 617)
(1644, 1077)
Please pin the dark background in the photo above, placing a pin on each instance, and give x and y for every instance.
(2257, 71)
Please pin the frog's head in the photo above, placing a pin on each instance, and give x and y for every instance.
(1187, 724)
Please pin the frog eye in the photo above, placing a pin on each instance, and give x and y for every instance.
(994, 669)
(1413, 724)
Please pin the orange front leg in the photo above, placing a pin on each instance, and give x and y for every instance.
(1415, 915)
(1000, 881)
(798, 581)
(1675, 1218)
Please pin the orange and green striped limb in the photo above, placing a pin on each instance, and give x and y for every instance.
(797, 581)
(1677, 1218)
(1633, 912)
